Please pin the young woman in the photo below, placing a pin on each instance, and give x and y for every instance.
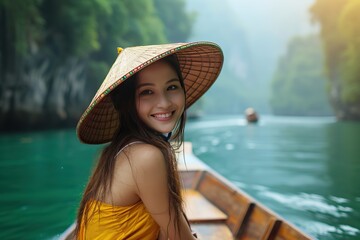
(134, 191)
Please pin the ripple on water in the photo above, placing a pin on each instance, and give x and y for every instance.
(319, 205)
(339, 199)
(215, 141)
(309, 202)
(229, 146)
(349, 230)
(323, 230)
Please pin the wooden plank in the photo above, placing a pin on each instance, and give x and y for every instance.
(272, 229)
(288, 232)
(227, 199)
(199, 209)
(212, 231)
(260, 225)
(190, 179)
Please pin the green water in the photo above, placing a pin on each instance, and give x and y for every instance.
(304, 169)
(41, 176)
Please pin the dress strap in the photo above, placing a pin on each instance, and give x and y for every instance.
(129, 144)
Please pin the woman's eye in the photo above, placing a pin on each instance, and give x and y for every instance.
(146, 92)
(173, 87)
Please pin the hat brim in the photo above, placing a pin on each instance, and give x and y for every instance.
(200, 64)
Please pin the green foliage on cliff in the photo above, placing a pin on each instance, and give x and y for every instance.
(298, 86)
(177, 22)
(349, 25)
(54, 53)
(340, 23)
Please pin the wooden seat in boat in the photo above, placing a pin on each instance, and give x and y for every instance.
(206, 220)
(234, 205)
(199, 209)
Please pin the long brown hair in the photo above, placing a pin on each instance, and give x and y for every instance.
(133, 129)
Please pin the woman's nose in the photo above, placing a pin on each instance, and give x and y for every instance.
(164, 101)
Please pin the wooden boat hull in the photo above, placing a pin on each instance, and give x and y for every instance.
(244, 218)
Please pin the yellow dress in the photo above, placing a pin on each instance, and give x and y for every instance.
(118, 222)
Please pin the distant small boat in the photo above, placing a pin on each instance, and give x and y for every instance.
(251, 115)
(193, 115)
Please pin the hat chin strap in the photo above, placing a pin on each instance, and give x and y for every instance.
(166, 136)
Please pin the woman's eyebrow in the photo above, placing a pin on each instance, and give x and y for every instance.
(173, 80)
(152, 84)
(144, 85)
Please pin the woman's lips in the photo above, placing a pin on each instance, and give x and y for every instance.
(163, 116)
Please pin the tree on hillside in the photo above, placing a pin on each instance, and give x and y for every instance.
(339, 21)
(298, 86)
(349, 24)
(177, 22)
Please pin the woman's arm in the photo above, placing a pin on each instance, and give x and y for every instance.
(150, 175)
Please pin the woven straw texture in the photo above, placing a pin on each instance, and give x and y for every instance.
(200, 64)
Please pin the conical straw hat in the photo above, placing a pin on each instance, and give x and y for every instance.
(200, 64)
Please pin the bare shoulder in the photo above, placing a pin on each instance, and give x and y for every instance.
(138, 167)
(145, 156)
(149, 172)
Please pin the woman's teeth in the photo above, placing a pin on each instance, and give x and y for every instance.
(162, 115)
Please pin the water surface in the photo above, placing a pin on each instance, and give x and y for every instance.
(304, 169)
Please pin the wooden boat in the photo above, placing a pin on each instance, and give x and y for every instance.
(218, 210)
(251, 115)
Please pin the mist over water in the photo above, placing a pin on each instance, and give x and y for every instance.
(253, 35)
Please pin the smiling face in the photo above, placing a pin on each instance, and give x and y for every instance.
(160, 98)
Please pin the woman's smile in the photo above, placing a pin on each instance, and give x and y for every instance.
(163, 116)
